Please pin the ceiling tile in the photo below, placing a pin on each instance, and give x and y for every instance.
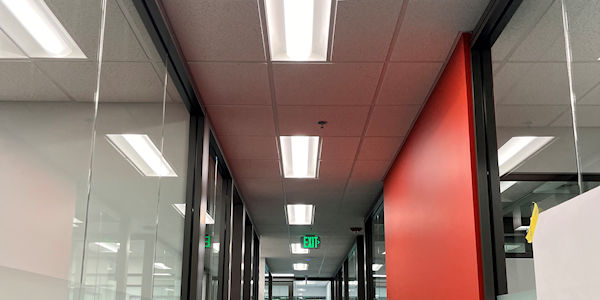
(325, 84)
(369, 170)
(587, 116)
(242, 119)
(217, 30)
(249, 147)
(232, 83)
(15, 75)
(120, 41)
(408, 83)
(363, 29)
(339, 148)
(430, 27)
(380, 148)
(261, 190)
(392, 120)
(527, 115)
(314, 190)
(342, 120)
(255, 168)
(335, 169)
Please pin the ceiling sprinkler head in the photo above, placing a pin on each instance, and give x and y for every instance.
(322, 123)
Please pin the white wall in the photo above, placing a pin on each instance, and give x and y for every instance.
(566, 246)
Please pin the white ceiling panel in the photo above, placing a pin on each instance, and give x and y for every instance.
(339, 148)
(380, 148)
(335, 169)
(363, 29)
(370, 170)
(249, 147)
(232, 83)
(329, 84)
(342, 120)
(242, 119)
(528, 116)
(255, 168)
(408, 83)
(392, 120)
(217, 30)
(14, 76)
(262, 190)
(587, 116)
(430, 27)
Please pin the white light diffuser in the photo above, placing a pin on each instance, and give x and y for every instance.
(162, 274)
(300, 156)
(36, 30)
(180, 208)
(379, 275)
(300, 214)
(505, 185)
(518, 149)
(141, 152)
(522, 228)
(376, 267)
(297, 249)
(300, 267)
(298, 29)
(108, 246)
(161, 266)
(282, 275)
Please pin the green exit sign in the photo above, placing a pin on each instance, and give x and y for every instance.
(310, 241)
(207, 241)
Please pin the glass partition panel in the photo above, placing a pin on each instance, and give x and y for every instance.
(378, 252)
(312, 289)
(352, 274)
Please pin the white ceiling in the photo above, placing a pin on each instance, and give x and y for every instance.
(386, 56)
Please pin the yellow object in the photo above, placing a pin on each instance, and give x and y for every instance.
(533, 222)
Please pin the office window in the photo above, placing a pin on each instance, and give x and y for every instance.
(93, 149)
(546, 93)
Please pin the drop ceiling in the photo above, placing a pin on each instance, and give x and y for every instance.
(386, 55)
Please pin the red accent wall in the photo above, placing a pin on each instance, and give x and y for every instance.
(430, 197)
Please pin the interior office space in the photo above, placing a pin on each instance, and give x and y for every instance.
(299, 149)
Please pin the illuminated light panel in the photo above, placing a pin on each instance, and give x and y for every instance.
(282, 275)
(161, 266)
(300, 214)
(297, 249)
(162, 274)
(108, 246)
(141, 152)
(300, 156)
(376, 267)
(298, 29)
(505, 185)
(32, 26)
(518, 149)
(300, 267)
(180, 208)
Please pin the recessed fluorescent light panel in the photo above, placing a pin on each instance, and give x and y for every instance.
(141, 152)
(161, 266)
(298, 29)
(180, 208)
(505, 185)
(282, 275)
(300, 267)
(300, 214)
(376, 267)
(297, 249)
(108, 246)
(518, 149)
(300, 155)
(31, 26)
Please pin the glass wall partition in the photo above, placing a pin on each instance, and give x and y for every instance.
(93, 148)
(377, 253)
(546, 96)
(312, 289)
(352, 274)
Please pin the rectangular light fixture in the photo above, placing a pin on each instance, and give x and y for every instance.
(376, 267)
(76, 222)
(300, 267)
(297, 249)
(505, 185)
(282, 275)
(298, 29)
(108, 246)
(33, 27)
(161, 266)
(522, 228)
(180, 208)
(379, 275)
(141, 152)
(300, 214)
(518, 149)
(162, 274)
(300, 156)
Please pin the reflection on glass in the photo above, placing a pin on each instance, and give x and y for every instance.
(378, 252)
(281, 290)
(352, 274)
(312, 289)
(96, 226)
